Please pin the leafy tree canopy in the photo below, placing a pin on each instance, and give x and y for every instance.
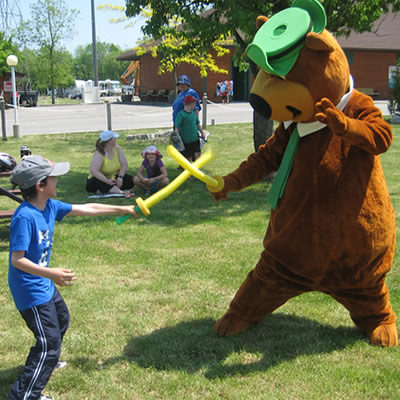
(206, 22)
(6, 48)
(108, 66)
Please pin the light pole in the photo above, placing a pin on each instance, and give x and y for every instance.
(12, 61)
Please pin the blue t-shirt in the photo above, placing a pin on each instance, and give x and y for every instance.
(179, 102)
(31, 231)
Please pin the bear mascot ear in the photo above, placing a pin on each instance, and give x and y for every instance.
(318, 42)
(261, 19)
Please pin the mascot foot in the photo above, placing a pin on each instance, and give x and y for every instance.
(230, 324)
(384, 335)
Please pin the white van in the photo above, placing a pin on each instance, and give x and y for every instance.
(110, 88)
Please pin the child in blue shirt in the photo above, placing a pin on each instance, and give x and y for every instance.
(32, 282)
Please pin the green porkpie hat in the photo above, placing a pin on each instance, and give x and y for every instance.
(278, 42)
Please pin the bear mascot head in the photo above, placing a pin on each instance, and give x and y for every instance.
(332, 225)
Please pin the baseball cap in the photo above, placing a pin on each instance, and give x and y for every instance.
(184, 79)
(33, 169)
(189, 99)
(105, 136)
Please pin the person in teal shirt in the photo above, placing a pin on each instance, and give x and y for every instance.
(188, 126)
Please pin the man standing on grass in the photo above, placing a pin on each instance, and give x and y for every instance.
(31, 281)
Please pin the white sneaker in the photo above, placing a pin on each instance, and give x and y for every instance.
(61, 364)
(43, 397)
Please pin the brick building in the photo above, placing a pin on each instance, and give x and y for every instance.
(370, 55)
(150, 79)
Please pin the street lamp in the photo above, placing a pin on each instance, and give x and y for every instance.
(12, 61)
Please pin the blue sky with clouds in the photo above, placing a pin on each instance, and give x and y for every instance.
(124, 37)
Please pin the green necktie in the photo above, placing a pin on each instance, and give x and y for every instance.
(278, 186)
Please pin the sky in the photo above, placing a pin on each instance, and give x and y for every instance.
(106, 31)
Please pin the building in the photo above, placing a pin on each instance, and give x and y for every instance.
(372, 55)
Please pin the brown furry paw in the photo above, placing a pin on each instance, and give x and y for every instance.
(230, 324)
(384, 335)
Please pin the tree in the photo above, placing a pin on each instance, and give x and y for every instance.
(206, 22)
(6, 48)
(34, 64)
(108, 66)
(51, 23)
(172, 50)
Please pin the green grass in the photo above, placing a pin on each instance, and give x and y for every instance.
(46, 100)
(150, 290)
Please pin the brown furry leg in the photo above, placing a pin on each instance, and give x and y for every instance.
(371, 311)
(260, 294)
(230, 324)
(384, 335)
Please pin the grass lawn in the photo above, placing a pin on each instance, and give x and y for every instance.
(46, 100)
(150, 290)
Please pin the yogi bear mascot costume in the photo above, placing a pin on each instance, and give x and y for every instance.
(332, 225)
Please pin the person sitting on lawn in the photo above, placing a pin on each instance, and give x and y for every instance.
(31, 281)
(108, 167)
(156, 173)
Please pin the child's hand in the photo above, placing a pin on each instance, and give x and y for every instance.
(124, 210)
(62, 277)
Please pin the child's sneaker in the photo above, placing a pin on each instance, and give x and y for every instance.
(61, 364)
(43, 397)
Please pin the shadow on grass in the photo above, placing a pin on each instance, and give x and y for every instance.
(193, 346)
(7, 379)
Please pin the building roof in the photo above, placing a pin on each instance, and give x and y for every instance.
(384, 36)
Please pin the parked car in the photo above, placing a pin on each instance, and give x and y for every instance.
(28, 98)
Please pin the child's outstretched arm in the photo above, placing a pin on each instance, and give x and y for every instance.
(60, 276)
(95, 209)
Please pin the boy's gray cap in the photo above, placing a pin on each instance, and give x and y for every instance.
(33, 169)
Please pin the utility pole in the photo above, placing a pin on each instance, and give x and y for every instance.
(95, 74)
(10, 16)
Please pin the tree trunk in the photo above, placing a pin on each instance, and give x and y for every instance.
(262, 130)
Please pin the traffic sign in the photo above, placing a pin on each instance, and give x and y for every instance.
(7, 86)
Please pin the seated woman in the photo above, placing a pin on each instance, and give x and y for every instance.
(108, 167)
(156, 173)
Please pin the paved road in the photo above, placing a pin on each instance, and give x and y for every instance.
(93, 117)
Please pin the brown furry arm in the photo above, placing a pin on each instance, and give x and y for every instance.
(362, 125)
(257, 166)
